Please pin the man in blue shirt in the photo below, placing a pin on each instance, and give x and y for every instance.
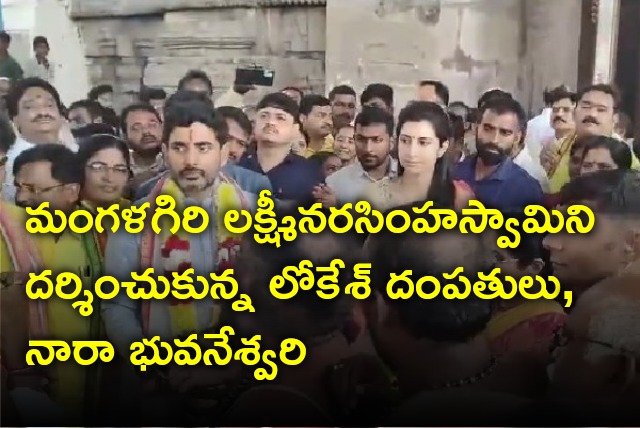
(495, 179)
(292, 177)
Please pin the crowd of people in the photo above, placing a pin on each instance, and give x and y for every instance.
(403, 361)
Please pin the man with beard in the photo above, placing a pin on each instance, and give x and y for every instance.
(317, 124)
(34, 106)
(596, 113)
(51, 173)
(496, 180)
(374, 142)
(142, 129)
(192, 147)
(343, 105)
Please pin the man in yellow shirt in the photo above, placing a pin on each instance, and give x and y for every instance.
(317, 124)
(596, 113)
(50, 173)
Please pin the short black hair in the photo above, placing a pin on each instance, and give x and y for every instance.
(64, 163)
(82, 134)
(554, 95)
(502, 105)
(96, 143)
(625, 197)
(135, 107)
(636, 147)
(530, 246)
(7, 134)
(607, 89)
(442, 91)
(96, 91)
(491, 94)
(596, 187)
(375, 116)
(310, 317)
(619, 151)
(186, 96)
(5, 37)
(341, 90)
(308, 102)
(196, 75)
(280, 101)
(377, 90)
(148, 94)
(238, 116)
(18, 90)
(435, 255)
(40, 40)
(186, 113)
(93, 107)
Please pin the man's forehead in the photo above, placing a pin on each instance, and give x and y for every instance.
(564, 102)
(373, 128)
(321, 109)
(34, 93)
(344, 97)
(273, 110)
(39, 170)
(598, 97)
(139, 115)
(505, 118)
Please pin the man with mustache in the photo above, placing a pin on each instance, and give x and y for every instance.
(142, 130)
(596, 113)
(192, 146)
(292, 177)
(563, 104)
(343, 105)
(34, 106)
(495, 179)
(51, 173)
(317, 124)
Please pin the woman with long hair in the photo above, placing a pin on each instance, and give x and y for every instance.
(423, 133)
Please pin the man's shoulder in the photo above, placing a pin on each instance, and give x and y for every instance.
(343, 173)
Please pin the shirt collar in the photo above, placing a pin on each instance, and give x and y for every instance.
(392, 170)
(500, 174)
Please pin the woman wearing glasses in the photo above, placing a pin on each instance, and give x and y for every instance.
(107, 169)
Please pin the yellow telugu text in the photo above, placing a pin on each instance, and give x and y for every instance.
(489, 286)
(183, 286)
(59, 350)
(292, 352)
(475, 219)
(401, 286)
(83, 221)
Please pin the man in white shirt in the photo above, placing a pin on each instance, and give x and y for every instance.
(539, 129)
(35, 108)
(39, 65)
(373, 138)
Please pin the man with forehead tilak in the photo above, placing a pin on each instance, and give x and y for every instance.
(191, 145)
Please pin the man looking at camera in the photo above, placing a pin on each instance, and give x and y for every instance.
(596, 113)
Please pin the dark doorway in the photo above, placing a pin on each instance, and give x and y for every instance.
(587, 48)
(628, 60)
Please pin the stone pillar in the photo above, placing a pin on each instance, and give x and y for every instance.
(471, 46)
(606, 40)
(550, 49)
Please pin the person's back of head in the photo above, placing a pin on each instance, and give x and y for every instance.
(437, 255)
